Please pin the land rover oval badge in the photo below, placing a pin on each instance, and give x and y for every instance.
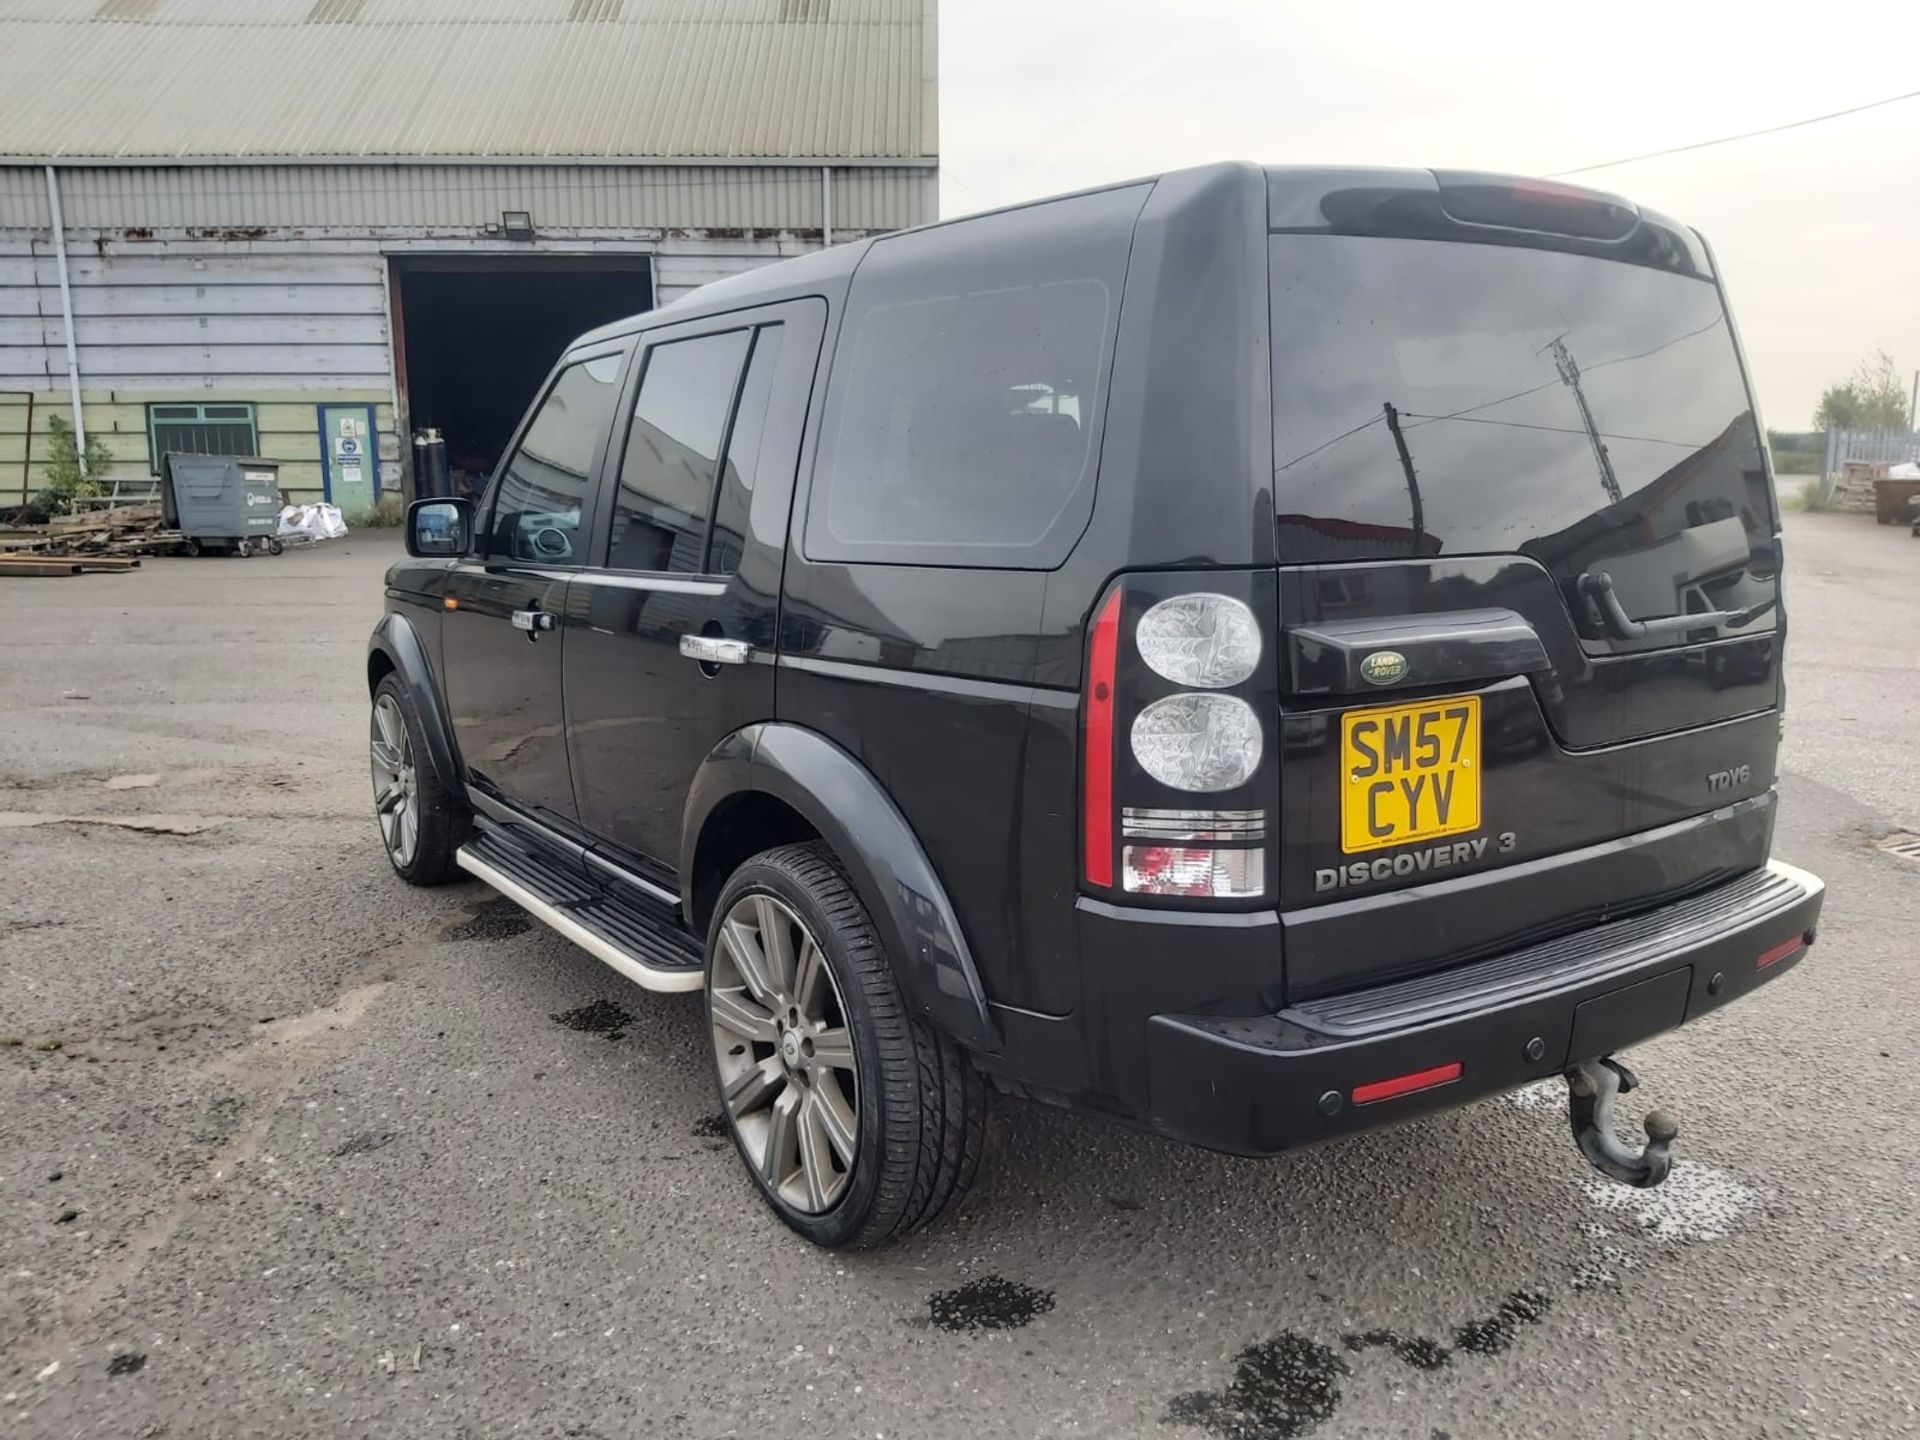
(1384, 667)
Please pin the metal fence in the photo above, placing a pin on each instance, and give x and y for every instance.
(1872, 447)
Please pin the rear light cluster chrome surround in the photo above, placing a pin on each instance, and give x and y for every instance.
(1244, 826)
(1176, 708)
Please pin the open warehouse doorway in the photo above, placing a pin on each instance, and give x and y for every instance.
(475, 336)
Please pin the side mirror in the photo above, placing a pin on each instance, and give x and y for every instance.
(438, 529)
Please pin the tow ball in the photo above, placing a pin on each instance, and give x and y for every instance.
(1591, 1088)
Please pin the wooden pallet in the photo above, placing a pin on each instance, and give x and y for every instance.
(46, 566)
(122, 530)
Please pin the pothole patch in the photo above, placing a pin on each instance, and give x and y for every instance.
(1417, 1350)
(989, 1303)
(1281, 1387)
(497, 919)
(1495, 1333)
(602, 1017)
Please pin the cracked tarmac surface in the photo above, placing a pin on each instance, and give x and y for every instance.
(288, 1149)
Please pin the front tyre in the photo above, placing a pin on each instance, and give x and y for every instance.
(855, 1121)
(421, 825)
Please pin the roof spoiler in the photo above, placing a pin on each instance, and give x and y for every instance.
(1478, 207)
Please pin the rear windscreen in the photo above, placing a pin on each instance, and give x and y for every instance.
(1435, 398)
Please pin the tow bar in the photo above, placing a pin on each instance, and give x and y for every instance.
(1591, 1087)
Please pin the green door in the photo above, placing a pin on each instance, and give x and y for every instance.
(350, 458)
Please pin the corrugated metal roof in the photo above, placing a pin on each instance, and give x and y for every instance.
(551, 79)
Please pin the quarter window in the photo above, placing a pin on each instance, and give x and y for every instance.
(967, 388)
(536, 511)
(673, 447)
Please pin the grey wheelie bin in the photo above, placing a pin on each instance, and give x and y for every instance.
(221, 504)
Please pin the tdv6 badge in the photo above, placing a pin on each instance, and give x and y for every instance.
(1730, 779)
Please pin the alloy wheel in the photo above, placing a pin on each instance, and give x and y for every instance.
(785, 1053)
(396, 794)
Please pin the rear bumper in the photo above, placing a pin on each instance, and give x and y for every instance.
(1258, 1085)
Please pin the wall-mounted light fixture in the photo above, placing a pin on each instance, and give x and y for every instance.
(517, 224)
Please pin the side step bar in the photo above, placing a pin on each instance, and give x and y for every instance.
(640, 937)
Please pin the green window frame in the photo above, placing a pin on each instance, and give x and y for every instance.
(213, 427)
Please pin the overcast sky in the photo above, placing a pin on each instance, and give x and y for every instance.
(1817, 230)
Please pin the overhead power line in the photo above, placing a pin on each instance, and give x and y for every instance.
(1743, 135)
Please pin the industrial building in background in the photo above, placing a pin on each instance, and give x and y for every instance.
(314, 230)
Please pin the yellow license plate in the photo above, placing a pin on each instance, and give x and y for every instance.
(1409, 772)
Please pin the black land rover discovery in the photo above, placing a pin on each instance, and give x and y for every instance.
(1253, 653)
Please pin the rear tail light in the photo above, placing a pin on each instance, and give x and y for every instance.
(1780, 952)
(1204, 642)
(1097, 743)
(1195, 871)
(1198, 740)
(1202, 854)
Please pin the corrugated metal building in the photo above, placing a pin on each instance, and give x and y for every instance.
(313, 226)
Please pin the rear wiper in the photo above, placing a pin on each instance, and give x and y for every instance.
(1596, 586)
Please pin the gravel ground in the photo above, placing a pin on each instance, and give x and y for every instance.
(288, 1149)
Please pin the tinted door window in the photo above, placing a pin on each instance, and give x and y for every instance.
(666, 476)
(738, 474)
(1439, 398)
(536, 508)
(962, 414)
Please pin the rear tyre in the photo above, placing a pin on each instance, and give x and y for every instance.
(422, 826)
(855, 1121)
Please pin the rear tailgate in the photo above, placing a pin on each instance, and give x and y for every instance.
(1504, 473)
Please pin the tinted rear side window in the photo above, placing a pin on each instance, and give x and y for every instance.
(1440, 398)
(666, 475)
(963, 412)
(742, 467)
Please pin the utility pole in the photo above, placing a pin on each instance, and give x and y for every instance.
(1570, 377)
(1419, 516)
(66, 317)
(1913, 405)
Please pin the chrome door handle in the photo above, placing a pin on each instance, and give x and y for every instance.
(711, 650)
(532, 620)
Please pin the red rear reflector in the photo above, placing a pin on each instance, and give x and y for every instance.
(1407, 1084)
(1097, 820)
(1780, 952)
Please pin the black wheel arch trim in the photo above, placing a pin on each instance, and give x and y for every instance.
(396, 638)
(842, 800)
